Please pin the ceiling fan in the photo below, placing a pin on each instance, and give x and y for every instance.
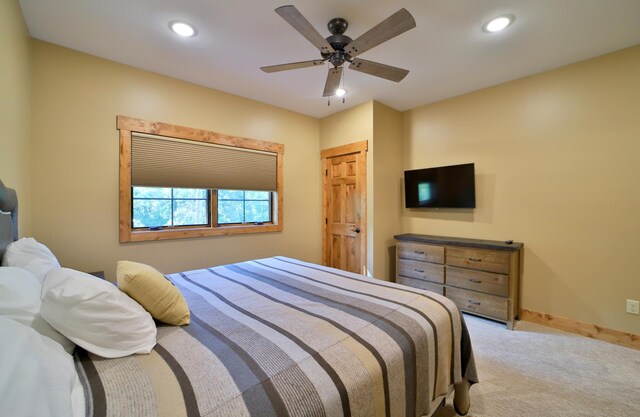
(339, 48)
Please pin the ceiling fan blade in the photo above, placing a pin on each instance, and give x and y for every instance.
(396, 24)
(333, 81)
(292, 65)
(302, 25)
(379, 70)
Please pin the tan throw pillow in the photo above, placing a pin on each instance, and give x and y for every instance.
(154, 292)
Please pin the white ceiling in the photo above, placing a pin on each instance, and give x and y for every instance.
(447, 53)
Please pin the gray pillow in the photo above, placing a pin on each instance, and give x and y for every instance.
(6, 232)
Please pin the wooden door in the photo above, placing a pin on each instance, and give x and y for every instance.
(344, 207)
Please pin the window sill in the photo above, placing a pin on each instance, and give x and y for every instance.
(186, 233)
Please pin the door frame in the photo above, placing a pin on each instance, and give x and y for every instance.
(361, 180)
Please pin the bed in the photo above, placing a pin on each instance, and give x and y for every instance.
(284, 337)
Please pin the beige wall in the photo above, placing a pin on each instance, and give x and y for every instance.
(558, 167)
(75, 162)
(387, 184)
(354, 125)
(348, 126)
(15, 106)
(381, 126)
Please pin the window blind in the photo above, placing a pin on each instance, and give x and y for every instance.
(166, 162)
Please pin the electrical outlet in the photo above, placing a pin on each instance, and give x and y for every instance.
(633, 307)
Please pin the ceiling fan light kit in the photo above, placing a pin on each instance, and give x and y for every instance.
(339, 48)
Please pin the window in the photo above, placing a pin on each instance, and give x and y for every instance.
(236, 206)
(158, 208)
(155, 207)
(179, 182)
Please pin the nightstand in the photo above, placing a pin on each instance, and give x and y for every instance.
(99, 274)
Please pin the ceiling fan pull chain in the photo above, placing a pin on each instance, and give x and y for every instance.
(329, 102)
(344, 77)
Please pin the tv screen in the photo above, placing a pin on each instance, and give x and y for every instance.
(441, 187)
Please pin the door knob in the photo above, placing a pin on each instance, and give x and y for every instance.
(357, 230)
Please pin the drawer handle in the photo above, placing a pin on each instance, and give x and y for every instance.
(475, 259)
(419, 252)
(419, 270)
(475, 303)
(475, 281)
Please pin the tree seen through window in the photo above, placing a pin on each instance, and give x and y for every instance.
(236, 206)
(167, 207)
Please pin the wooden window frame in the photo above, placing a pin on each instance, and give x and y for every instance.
(128, 125)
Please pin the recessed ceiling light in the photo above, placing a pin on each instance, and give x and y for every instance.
(182, 29)
(498, 23)
(341, 92)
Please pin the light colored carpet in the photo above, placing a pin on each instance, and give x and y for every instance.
(538, 371)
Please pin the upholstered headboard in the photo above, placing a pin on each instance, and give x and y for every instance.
(8, 217)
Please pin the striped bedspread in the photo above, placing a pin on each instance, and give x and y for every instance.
(282, 337)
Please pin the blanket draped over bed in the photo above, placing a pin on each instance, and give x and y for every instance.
(282, 337)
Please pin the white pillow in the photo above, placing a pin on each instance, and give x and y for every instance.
(31, 255)
(20, 293)
(96, 315)
(37, 377)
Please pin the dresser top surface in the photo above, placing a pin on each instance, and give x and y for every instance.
(459, 241)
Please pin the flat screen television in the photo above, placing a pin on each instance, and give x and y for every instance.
(451, 186)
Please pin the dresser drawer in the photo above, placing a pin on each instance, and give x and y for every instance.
(421, 270)
(421, 252)
(418, 283)
(475, 302)
(482, 259)
(472, 279)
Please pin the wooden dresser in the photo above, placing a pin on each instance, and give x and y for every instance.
(480, 276)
